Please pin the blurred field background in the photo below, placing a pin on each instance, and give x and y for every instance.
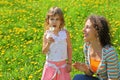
(21, 32)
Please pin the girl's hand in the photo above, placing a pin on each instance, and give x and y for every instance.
(50, 40)
(80, 66)
(68, 68)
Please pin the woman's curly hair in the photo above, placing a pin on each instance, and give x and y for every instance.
(102, 27)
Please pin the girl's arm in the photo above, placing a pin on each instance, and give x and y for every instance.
(69, 49)
(46, 44)
(69, 53)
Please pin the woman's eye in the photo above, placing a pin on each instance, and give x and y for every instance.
(86, 26)
(57, 19)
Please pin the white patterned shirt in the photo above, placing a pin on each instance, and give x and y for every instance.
(58, 49)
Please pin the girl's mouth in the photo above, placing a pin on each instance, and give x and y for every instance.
(54, 26)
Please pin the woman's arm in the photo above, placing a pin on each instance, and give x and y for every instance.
(112, 64)
(112, 79)
(83, 68)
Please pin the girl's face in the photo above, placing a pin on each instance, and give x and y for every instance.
(54, 21)
(90, 34)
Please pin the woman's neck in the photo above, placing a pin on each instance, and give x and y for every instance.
(95, 50)
(95, 45)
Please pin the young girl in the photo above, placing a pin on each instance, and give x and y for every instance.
(57, 47)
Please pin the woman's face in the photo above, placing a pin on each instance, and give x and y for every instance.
(90, 34)
(54, 21)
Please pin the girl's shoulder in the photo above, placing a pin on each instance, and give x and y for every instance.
(63, 31)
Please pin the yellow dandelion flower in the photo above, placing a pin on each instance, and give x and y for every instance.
(21, 69)
(28, 42)
(81, 47)
(75, 49)
(9, 62)
(8, 69)
(19, 62)
(22, 79)
(32, 62)
(0, 32)
(34, 29)
(7, 59)
(30, 77)
(3, 52)
(13, 59)
(116, 41)
(83, 5)
(39, 70)
(31, 57)
(1, 75)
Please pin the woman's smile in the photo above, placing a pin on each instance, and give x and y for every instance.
(85, 35)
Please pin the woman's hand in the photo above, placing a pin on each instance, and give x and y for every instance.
(83, 67)
(68, 68)
(112, 79)
(80, 66)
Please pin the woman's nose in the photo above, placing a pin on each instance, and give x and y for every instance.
(83, 29)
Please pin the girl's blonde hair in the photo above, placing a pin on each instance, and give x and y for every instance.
(52, 12)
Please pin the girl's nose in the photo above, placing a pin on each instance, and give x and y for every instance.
(54, 21)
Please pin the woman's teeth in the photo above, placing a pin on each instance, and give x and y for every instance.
(85, 35)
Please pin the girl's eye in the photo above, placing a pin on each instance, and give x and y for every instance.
(51, 19)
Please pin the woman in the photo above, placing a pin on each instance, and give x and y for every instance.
(100, 56)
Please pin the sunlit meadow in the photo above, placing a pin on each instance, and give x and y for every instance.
(22, 28)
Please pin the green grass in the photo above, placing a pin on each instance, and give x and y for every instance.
(21, 32)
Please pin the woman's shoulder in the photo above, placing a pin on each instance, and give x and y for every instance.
(87, 44)
(109, 49)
